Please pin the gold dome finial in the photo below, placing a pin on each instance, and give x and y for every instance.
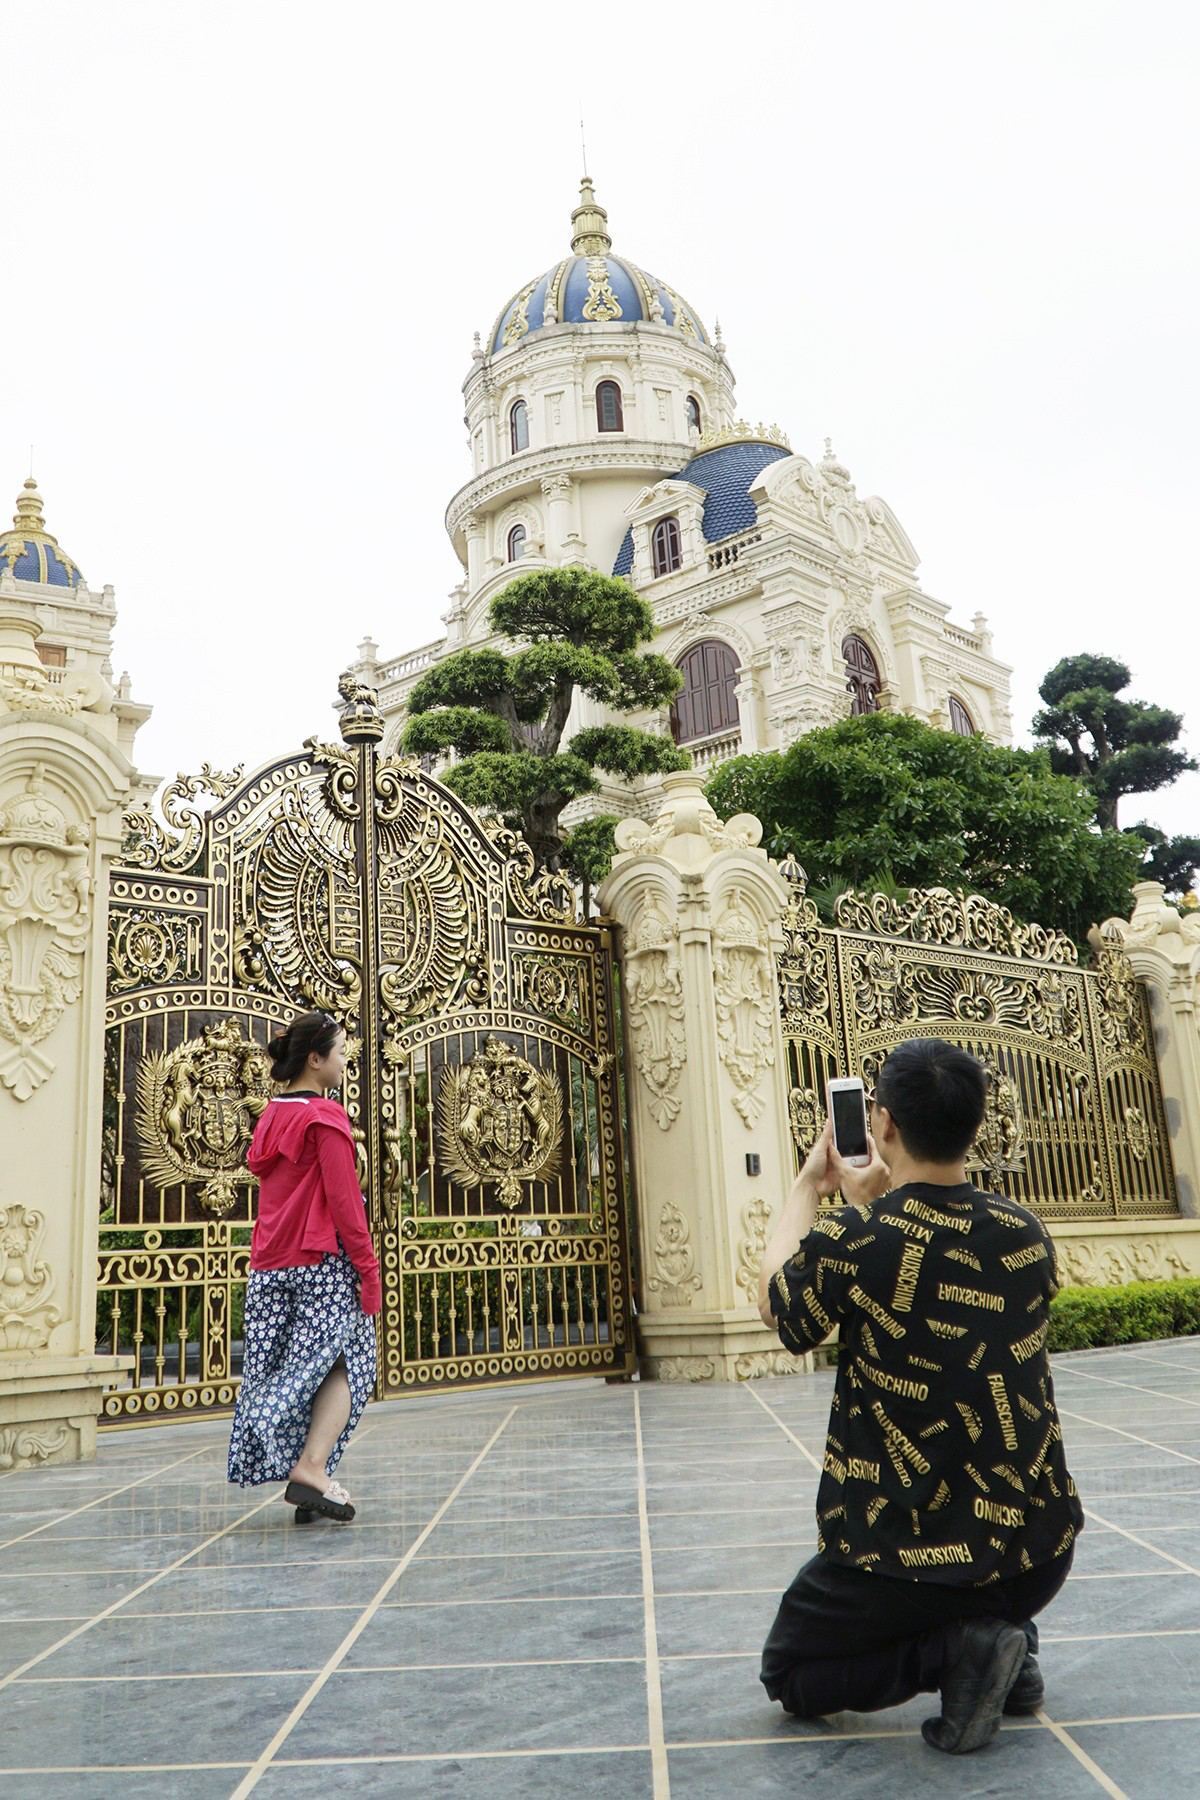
(28, 516)
(589, 224)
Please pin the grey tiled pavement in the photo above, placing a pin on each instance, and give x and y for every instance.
(560, 1590)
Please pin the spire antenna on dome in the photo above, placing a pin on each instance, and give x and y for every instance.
(589, 224)
(583, 146)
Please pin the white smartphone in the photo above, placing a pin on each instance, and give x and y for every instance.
(848, 1110)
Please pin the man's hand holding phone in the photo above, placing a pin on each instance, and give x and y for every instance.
(825, 1172)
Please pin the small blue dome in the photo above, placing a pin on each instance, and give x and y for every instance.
(726, 473)
(592, 287)
(29, 552)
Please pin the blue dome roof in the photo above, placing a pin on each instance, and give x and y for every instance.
(592, 287)
(29, 552)
(726, 473)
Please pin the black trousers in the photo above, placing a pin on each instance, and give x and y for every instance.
(848, 1641)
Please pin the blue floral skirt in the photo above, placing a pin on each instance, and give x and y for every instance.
(298, 1322)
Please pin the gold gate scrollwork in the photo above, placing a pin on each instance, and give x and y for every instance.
(480, 1082)
(1075, 1125)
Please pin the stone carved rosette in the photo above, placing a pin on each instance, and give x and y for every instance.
(45, 915)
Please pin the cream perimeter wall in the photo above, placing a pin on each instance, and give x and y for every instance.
(698, 903)
(65, 780)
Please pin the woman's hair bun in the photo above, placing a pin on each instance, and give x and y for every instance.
(312, 1034)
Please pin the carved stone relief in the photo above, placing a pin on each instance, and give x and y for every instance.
(756, 1222)
(744, 986)
(752, 1365)
(26, 1281)
(45, 910)
(21, 1446)
(654, 1005)
(675, 1276)
(1099, 1262)
(687, 1368)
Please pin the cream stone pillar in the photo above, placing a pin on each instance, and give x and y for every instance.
(1164, 950)
(699, 906)
(64, 783)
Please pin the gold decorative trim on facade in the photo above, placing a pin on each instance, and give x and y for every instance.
(500, 1121)
(601, 303)
(26, 1281)
(675, 1277)
(654, 1009)
(517, 323)
(739, 431)
(756, 1222)
(745, 999)
(45, 918)
(197, 1107)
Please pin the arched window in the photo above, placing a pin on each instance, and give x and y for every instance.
(666, 553)
(706, 703)
(693, 413)
(862, 676)
(516, 543)
(518, 426)
(961, 721)
(609, 416)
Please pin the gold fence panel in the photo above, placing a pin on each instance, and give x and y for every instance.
(481, 1082)
(1075, 1126)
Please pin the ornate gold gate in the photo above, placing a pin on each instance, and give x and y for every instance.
(481, 1086)
(1075, 1127)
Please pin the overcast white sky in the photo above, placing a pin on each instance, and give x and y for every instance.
(246, 247)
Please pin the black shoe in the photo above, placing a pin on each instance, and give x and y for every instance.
(976, 1685)
(1027, 1691)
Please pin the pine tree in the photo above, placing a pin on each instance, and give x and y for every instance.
(505, 710)
(1114, 746)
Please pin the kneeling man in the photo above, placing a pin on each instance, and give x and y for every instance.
(946, 1518)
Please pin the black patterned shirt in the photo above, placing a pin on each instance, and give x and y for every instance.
(944, 1459)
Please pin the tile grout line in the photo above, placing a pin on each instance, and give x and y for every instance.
(654, 1710)
(786, 1429)
(1081, 1756)
(1136, 1386)
(1188, 1568)
(100, 1498)
(108, 1611)
(259, 1767)
(1065, 1412)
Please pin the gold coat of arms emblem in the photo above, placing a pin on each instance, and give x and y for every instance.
(500, 1120)
(197, 1107)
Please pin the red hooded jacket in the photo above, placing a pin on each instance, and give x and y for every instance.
(308, 1192)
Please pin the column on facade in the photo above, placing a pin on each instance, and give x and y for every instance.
(64, 783)
(699, 908)
(556, 490)
(473, 531)
(1163, 948)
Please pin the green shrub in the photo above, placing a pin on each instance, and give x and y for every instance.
(1082, 1318)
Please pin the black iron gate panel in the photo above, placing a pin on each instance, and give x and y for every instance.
(1075, 1126)
(481, 1083)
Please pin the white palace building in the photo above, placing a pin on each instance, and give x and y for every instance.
(602, 430)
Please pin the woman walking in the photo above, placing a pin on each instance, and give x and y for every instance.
(309, 1362)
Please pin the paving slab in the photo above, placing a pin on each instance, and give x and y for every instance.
(567, 1615)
